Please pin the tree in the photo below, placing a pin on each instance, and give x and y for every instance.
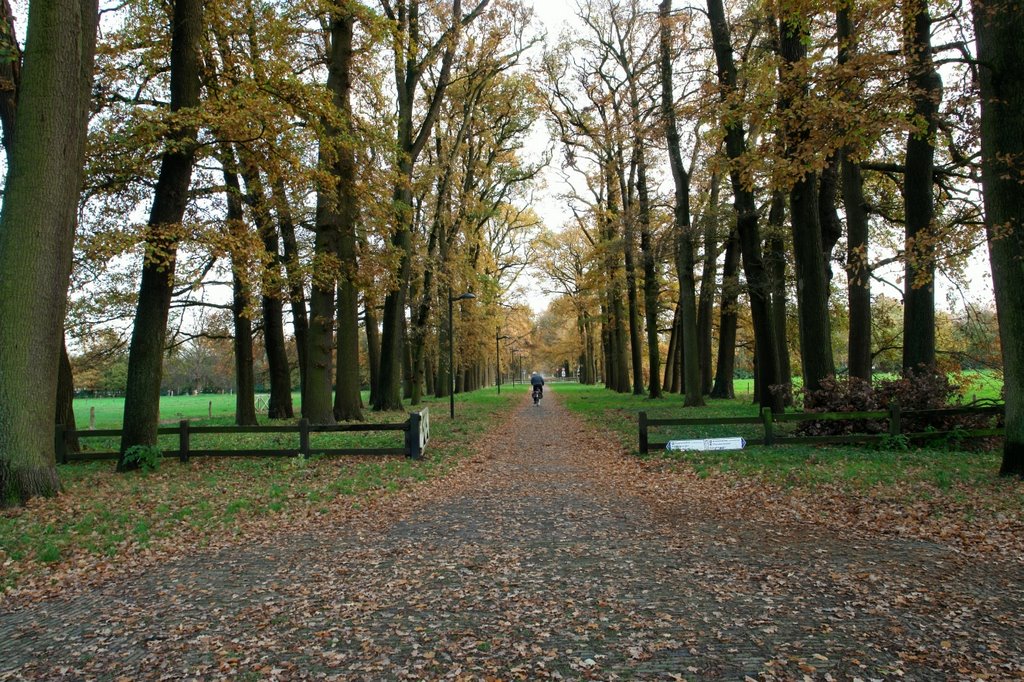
(36, 234)
(412, 56)
(919, 187)
(145, 359)
(746, 213)
(998, 26)
(684, 239)
(808, 251)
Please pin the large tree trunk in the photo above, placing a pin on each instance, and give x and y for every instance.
(726, 365)
(998, 27)
(245, 385)
(280, 404)
(858, 272)
(149, 332)
(746, 214)
(918, 191)
(36, 237)
(808, 252)
(347, 400)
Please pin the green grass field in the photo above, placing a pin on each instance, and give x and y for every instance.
(940, 465)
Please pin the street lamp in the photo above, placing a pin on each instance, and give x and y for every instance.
(451, 349)
(497, 356)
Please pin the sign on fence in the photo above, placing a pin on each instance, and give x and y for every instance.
(735, 443)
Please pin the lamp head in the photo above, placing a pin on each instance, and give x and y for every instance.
(464, 297)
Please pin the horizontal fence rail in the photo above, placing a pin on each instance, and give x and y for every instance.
(416, 429)
(894, 418)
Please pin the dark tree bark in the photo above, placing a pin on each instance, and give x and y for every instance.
(918, 188)
(858, 271)
(347, 399)
(828, 214)
(746, 214)
(293, 270)
(999, 26)
(37, 223)
(726, 365)
(280, 403)
(808, 252)
(245, 385)
(652, 285)
(170, 198)
(66, 398)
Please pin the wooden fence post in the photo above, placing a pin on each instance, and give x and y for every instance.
(209, 410)
(895, 425)
(183, 444)
(643, 433)
(92, 418)
(304, 437)
(766, 419)
(412, 436)
(60, 444)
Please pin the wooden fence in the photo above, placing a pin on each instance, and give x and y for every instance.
(893, 416)
(416, 430)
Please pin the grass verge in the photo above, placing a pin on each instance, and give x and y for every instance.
(103, 516)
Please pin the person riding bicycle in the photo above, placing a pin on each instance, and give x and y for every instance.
(537, 381)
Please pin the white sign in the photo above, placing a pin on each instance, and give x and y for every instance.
(424, 429)
(735, 443)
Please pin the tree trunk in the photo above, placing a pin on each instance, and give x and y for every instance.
(65, 413)
(918, 187)
(828, 214)
(296, 285)
(858, 272)
(245, 385)
(410, 142)
(37, 225)
(670, 356)
(372, 346)
(170, 198)
(689, 345)
(808, 252)
(998, 28)
(746, 212)
(347, 400)
(706, 302)
(726, 366)
(280, 404)
(777, 256)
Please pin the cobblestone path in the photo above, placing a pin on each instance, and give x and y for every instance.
(541, 558)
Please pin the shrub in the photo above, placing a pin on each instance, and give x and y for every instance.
(146, 457)
(913, 390)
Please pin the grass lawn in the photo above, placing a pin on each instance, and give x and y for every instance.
(102, 514)
(110, 411)
(856, 467)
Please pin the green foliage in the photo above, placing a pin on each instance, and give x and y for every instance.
(145, 457)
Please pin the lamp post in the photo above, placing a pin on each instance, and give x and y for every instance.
(497, 357)
(451, 349)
